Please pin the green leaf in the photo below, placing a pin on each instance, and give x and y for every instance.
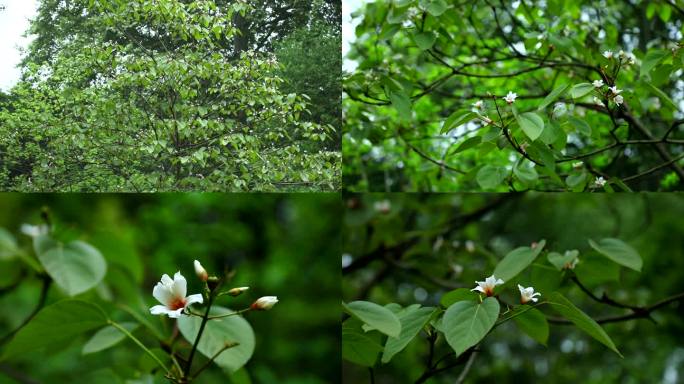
(568, 310)
(402, 103)
(551, 97)
(467, 144)
(564, 261)
(652, 58)
(580, 90)
(375, 315)
(457, 119)
(55, 325)
(218, 333)
(662, 95)
(358, 347)
(459, 294)
(107, 337)
(516, 261)
(580, 125)
(424, 40)
(527, 175)
(436, 7)
(466, 323)
(75, 267)
(618, 251)
(533, 322)
(8, 245)
(576, 179)
(531, 123)
(490, 176)
(412, 321)
(597, 270)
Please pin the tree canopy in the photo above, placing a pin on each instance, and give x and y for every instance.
(166, 95)
(515, 95)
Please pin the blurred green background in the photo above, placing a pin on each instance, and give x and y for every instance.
(412, 248)
(282, 245)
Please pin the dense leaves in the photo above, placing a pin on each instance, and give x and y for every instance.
(588, 93)
(147, 96)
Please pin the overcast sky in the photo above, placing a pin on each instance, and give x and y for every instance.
(349, 6)
(13, 24)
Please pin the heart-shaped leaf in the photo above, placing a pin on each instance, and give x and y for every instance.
(75, 267)
(490, 176)
(466, 323)
(217, 334)
(531, 123)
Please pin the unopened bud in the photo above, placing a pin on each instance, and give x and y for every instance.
(264, 303)
(237, 291)
(201, 272)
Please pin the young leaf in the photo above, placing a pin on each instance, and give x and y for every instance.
(516, 261)
(76, 267)
(457, 119)
(533, 322)
(531, 123)
(562, 261)
(56, 324)
(375, 315)
(568, 310)
(107, 337)
(412, 321)
(551, 97)
(219, 332)
(467, 144)
(424, 40)
(489, 176)
(466, 323)
(618, 251)
(580, 90)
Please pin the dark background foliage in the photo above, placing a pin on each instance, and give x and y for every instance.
(284, 245)
(420, 246)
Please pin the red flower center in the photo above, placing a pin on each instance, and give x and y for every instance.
(177, 303)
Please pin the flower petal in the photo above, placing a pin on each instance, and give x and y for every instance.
(478, 288)
(162, 293)
(159, 310)
(498, 282)
(175, 314)
(180, 287)
(196, 298)
(166, 280)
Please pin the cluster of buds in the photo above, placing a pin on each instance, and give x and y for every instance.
(171, 293)
(487, 287)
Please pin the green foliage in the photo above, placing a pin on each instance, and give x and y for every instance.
(75, 267)
(517, 260)
(375, 316)
(106, 105)
(107, 337)
(619, 252)
(468, 322)
(413, 318)
(595, 87)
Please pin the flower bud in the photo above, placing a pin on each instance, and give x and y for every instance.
(237, 291)
(264, 303)
(200, 271)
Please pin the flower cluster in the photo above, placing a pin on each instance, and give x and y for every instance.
(614, 93)
(487, 287)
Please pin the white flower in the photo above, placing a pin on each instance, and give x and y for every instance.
(598, 101)
(487, 286)
(487, 120)
(171, 293)
(598, 83)
(510, 98)
(527, 294)
(600, 181)
(200, 271)
(382, 206)
(618, 100)
(479, 104)
(577, 165)
(237, 291)
(615, 90)
(264, 303)
(34, 230)
(572, 264)
(470, 246)
(608, 54)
